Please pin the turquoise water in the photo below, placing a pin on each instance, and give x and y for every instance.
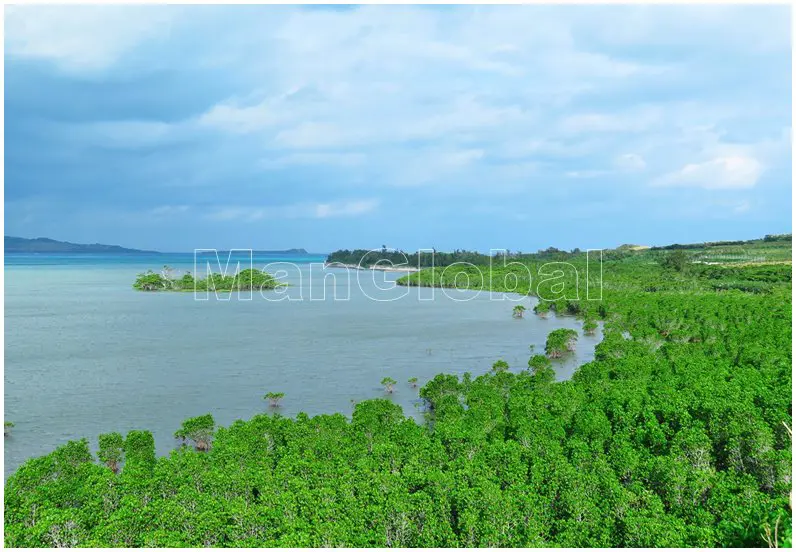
(86, 354)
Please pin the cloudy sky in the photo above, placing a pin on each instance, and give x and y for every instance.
(270, 127)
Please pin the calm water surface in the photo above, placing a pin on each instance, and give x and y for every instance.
(86, 354)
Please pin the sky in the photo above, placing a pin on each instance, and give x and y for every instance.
(476, 127)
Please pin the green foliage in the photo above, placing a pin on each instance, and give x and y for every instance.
(111, 450)
(389, 384)
(139, 453)
(274, 398)
(249, 279)
(560, 341)
(676, 260)
(367, 258)
(518, 311)
(7, 428)
(539, 363)
(413, 382)
(424, 259)
(589, 326)
(150, 281)
(199, 430)
(500, 366)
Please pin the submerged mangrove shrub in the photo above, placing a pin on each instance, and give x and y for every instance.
(560, 341)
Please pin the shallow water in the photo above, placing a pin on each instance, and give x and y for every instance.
(86, 354)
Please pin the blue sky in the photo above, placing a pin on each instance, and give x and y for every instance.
(179, 127)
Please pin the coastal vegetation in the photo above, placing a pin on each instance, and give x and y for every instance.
(538, 363)
(274, 398)
(389, 384)
(431, 257)
(198, 430)
(111, 450)
(772, 248)
(384, 256)
(500, 366)
(250, 279)
(677, 434)
(560, 341)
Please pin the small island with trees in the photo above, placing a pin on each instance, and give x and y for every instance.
(167, 280)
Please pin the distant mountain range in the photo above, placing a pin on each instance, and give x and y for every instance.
(46, 245)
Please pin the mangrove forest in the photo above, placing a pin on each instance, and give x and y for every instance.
(677, 434)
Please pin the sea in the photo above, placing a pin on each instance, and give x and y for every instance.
(86, 354)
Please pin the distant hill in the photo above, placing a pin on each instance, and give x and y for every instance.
(47, 245)
(299, 251)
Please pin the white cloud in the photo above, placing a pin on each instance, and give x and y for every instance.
(82, 38)
(440, 167)
(345, 208)
(348, 208)
(319, 135)
(239, 214)
(240, 119)
(513, 95)
(598, 66)
(624, 163)
(736, 27)
(386, 38)
(339, 159)
(552, 147)
(637, 120)
(590, 173)
(462, 115)
(462, 158)
(730, 172)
